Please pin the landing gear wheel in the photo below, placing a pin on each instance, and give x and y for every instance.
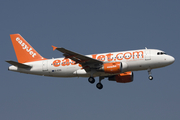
(150, 78)
(149, 72)
(91, 80)
(99, 86)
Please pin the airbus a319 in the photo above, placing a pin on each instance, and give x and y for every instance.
(116, 66)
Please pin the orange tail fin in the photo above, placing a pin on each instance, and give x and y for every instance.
(24, 51)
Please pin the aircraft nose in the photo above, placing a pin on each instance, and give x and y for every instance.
(171, 59)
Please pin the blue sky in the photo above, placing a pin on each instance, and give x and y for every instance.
(89, 27)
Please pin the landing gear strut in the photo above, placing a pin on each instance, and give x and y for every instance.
(150, 76)
(99, 84)
(91, 78)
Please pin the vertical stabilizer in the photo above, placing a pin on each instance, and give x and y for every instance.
(24, 51)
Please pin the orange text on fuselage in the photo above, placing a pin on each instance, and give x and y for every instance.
(104, 57)
(119, 56)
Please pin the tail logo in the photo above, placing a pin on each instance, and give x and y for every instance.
(25, 47)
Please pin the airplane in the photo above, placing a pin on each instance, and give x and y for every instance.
(116, 66)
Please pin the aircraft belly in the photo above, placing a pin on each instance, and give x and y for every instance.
(63, 71)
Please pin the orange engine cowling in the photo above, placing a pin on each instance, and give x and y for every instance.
(114, 67)
(122, 78)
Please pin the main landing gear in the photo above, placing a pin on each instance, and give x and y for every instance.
(99, 84)
(91, 80)
(150, 76)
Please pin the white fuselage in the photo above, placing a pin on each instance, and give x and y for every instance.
(134, 60)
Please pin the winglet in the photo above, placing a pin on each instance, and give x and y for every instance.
(54, 48)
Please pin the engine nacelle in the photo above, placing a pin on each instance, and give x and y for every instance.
(122, 78)
(114, 67)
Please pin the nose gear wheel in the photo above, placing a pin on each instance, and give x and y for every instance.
(150, 76)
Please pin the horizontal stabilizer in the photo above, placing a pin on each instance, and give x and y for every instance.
(18, 64)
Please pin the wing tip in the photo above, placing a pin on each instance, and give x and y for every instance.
(54, 47)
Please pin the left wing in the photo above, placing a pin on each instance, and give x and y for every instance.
(78, 58)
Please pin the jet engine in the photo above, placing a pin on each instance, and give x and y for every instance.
(122, 78)
(114, 67)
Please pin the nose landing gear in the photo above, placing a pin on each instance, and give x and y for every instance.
(150, 76)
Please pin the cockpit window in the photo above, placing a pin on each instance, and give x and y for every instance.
(161, 53)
